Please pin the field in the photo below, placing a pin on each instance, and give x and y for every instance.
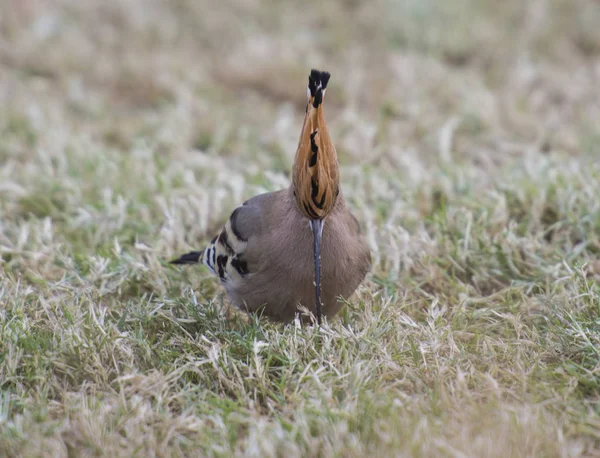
(468, 134)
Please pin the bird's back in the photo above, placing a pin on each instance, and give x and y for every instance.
(279, 258)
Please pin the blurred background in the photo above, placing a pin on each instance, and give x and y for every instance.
(201, 102)
(227, 77)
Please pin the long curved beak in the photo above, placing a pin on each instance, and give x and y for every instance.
(317, 228)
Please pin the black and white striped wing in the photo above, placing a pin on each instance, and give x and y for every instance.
(225, 254)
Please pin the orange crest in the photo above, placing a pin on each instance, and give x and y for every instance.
(316, 174)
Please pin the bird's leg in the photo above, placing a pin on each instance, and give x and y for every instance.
(317, 228)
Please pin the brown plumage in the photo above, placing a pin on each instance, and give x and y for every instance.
(315, 175)
(268, 255)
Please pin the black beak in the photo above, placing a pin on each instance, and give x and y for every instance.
(317, 228)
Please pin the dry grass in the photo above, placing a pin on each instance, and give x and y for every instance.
(468, 133)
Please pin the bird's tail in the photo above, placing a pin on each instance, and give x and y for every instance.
(206, 257)
(193, 257)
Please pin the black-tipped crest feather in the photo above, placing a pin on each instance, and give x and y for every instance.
(317, 83)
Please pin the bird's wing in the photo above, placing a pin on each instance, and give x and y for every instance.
(224, 256)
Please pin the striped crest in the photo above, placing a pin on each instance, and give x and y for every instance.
(315, 174)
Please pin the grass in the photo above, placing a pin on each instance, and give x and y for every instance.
(468, 136)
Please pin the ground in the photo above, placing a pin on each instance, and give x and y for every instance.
(468, 133)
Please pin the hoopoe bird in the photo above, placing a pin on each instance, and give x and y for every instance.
(299, 246)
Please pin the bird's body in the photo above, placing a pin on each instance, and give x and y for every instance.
(264, 254)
